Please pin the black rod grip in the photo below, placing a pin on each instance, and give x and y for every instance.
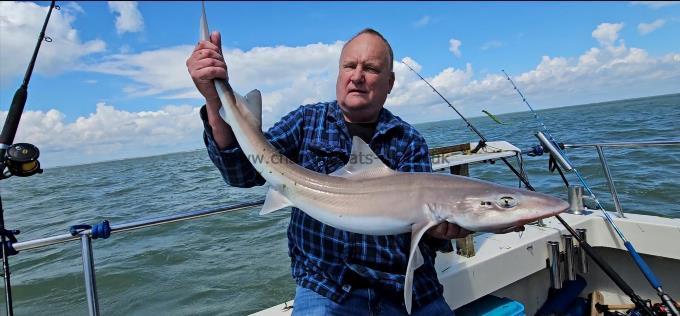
(14, 116)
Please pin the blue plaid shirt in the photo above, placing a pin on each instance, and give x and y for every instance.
(317, 138)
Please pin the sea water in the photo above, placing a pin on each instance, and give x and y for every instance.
(237, 263)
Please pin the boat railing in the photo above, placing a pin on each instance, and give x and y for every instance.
(86, 235)
(599, 147)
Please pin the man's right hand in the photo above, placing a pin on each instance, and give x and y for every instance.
(205, 64)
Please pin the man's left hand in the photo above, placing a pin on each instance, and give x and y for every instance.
(447, 230)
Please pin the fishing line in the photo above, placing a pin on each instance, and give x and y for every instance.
(21, 159)
(642, 265)
(637, 300)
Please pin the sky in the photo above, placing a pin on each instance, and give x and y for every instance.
(113, 83)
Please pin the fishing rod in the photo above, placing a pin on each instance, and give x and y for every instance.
(563, 160)
(483, 139)
(20, 159)
(637, 300)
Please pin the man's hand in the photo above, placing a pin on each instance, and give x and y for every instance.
(205, 64)
(447, 230)
(510, 230)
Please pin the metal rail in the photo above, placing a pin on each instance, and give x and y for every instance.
(605, 166)
(85, 238)
(624, 144)
(47, 241)
(610, 181)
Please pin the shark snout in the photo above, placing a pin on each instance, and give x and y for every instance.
(547, 205)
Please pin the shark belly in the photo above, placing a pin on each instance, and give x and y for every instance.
(364, 213)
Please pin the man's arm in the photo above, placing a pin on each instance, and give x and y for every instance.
(233, 164)
(206, 64)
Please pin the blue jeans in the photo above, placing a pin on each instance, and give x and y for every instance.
(367, 302)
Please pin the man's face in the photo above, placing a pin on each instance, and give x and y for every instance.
(364, 78)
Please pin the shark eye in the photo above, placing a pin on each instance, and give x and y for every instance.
(506, 201)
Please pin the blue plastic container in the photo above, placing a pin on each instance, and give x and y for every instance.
(491, 306)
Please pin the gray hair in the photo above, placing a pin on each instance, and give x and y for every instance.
(371, 31)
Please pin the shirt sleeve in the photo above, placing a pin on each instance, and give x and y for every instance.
(417, 159)
(233, 164)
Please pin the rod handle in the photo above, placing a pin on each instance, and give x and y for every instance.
(643, 266)
(13, 116)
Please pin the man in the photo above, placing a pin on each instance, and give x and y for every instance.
(337, 272)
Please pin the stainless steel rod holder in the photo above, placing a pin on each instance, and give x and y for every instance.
(569, 266)
(582, 256)
(576, 205)
(88, 274)
(550, 147)
(554, 264)
(610, 182)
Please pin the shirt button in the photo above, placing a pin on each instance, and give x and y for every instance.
(346, 287)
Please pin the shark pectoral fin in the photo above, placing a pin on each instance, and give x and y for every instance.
(418, 259)
(363, 163)
(415, 260)
(274, 201)
(253, 101)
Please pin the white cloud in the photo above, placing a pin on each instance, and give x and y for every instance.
(425, 20)
(290, 76)
(128, 17)
(655, 4)
(308, 73)
(491, 45)
(454, 47)
(21, 24)
(646, 28)
(600, 73)
(110, 133)
(607, 33)
(73, 6)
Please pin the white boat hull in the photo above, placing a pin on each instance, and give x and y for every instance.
(514, 265)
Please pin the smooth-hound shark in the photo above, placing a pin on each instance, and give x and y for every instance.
(367, 197)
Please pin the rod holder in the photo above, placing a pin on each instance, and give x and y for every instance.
(582, 256)
(569, 266)
(550, 147)
(465, 246)
(88, 275)
(554, 264)
(576, 205)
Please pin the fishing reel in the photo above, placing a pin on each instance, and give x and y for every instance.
(21, 160)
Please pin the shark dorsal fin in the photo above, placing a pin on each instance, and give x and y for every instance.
(251, 104)
(253, 101)
(363, 163)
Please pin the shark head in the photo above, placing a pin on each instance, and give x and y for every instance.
(498, 209)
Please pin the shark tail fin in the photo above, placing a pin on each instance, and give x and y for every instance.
(204, 33)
